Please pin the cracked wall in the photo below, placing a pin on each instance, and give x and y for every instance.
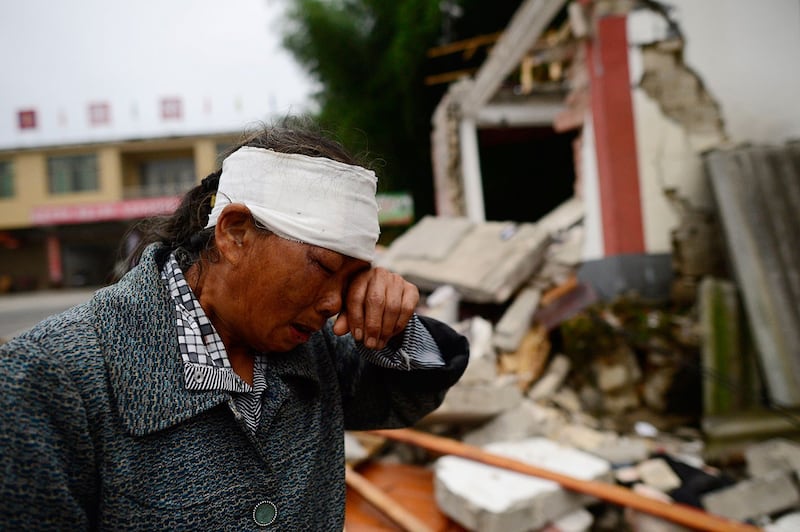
(676, 118)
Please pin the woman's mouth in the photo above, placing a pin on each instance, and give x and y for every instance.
(301, 333)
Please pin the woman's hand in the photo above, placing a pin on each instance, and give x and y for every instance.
(377, 306)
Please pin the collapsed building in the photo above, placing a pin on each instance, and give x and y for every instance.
(619, 243)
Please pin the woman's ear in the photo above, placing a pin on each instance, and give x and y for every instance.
(233, 231)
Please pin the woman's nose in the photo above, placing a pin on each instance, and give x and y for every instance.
(330, 300)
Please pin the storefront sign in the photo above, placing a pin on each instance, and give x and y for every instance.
(396, 208)
(102, 212)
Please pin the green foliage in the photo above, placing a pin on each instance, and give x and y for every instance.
(369, 60)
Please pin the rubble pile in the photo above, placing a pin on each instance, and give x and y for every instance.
(599, 391)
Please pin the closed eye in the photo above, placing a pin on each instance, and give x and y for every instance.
(326, 269)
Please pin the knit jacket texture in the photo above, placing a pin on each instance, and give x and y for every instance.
(98, 432)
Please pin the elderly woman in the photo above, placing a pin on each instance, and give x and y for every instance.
(210, 387)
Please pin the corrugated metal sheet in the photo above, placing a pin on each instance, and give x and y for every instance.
(757, 191)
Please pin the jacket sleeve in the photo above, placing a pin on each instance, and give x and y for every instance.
(46, 451)
(376, 397)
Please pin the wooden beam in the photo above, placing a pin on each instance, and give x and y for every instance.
(447, 77)
(383, 503)
(523, 31)
(466, 44)
(689, 516)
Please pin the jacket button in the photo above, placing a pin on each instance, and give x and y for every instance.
(264, 513)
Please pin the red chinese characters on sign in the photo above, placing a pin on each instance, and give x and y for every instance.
(171, 109)
(99, 113)
(27, 119)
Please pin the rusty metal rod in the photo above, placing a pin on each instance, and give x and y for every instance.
(675, 512)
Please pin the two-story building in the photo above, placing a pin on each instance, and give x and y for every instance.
(65, 211)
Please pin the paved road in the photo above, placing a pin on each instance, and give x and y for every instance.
(20, 311)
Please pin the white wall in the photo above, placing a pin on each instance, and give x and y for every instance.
(748, 54)
(745, 53)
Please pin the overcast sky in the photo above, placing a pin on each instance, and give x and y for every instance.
(221, 58)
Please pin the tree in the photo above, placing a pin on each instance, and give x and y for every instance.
(369, 60)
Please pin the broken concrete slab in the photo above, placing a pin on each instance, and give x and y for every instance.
(441, 234)
(490, 499)
(525, 420)
(785, 523)
(475, 402)
(656, 473)
(482, 365)
(754, 498)
(580, 520)
(776, 454)
(564, 217)
(486, 262)
(516, 320)
(616, 449)
(642, 522)
(555, 374)
(442, 304)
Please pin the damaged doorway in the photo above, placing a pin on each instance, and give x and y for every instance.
(527, 171)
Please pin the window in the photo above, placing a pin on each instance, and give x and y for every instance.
(72, 173)
(6, 179)
(166, 177)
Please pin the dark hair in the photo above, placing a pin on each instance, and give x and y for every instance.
(183, 233)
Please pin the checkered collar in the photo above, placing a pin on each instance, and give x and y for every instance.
(205, 361)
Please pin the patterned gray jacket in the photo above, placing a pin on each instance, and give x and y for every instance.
(98, 432)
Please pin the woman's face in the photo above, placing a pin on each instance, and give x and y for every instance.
(279, 292)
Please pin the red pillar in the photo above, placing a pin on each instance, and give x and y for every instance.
(615, 139)
(54, 266)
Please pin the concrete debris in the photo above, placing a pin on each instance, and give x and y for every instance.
(552, 368)
(777, 454)
(616, 449)
(642, 522)
(551, 381)
(598, 380)
(442, 304)
(754, 498)
(656, 473)
(482, 366)
(354, 451)
(525, 420)
(786, 523)
(476, 402)
(486, 262)
(578, 521)
(516, 320)
(489, 499)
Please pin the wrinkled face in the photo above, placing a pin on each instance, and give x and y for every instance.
(271, 293)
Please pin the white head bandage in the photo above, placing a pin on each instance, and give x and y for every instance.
(315, 200)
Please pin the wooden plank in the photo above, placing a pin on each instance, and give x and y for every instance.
(447, 77)
(465, 44)
(410, 486)
(674, 512)
(396, 513)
